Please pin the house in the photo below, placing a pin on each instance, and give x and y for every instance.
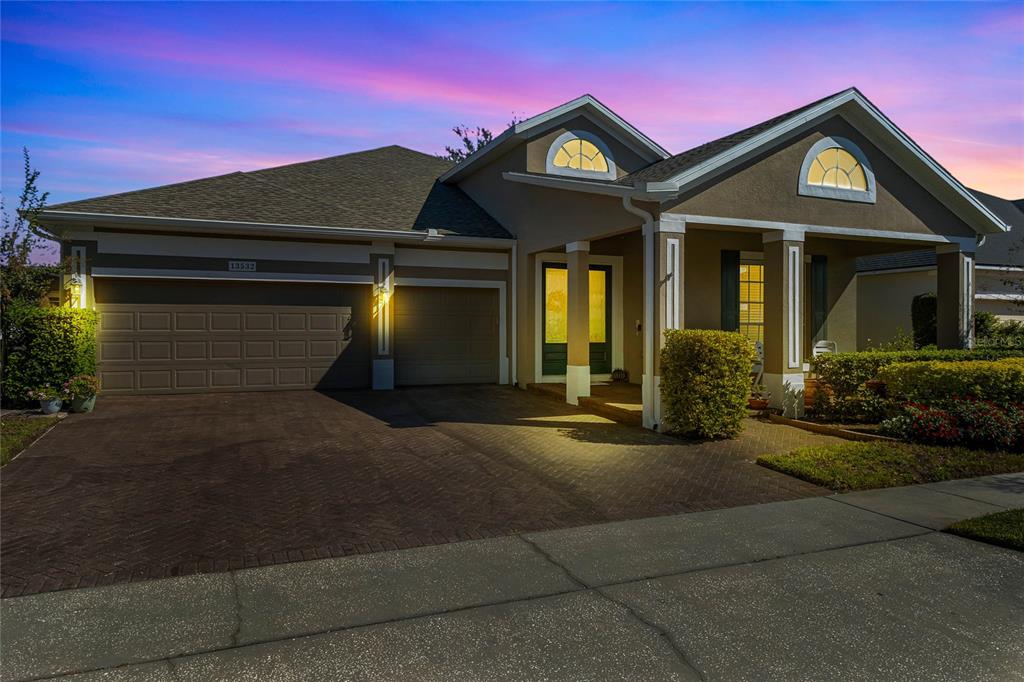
(559, 252)
(887, 284)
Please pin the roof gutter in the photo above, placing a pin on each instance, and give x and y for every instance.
(75, 219)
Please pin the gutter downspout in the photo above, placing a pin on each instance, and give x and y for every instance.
(647, 387)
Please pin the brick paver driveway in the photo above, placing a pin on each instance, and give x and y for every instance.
(158, 486)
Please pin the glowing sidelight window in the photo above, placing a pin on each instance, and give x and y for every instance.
(556, 305)
(752, 301)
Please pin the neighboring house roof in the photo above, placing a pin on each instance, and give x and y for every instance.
(585, 104)
(1006, 248)
(390, 188)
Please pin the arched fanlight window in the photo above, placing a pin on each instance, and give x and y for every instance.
(580, 154)
(836, 168)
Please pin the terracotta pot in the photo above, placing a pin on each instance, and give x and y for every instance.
(757, 403)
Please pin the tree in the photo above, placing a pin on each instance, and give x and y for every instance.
(471, 139)
(23, 281)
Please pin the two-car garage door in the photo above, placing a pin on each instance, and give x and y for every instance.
(179, 336)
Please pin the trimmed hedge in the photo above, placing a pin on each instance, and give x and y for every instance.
(44, 346)
(841, 377)
(999, 381)
(705, 381)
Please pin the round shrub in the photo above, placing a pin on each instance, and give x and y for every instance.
(705, 381)
(45, 346)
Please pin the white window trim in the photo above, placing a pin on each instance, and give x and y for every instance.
(538, 336)
(552, 169)
(822, 192)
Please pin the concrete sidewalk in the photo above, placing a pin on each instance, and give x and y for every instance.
(856, 586)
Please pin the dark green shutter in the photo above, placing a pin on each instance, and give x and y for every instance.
(819, 297)
(731, 291)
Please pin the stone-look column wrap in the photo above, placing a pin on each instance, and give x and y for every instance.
(783, 321)
(382, 325)
(577, 371)
(954, 297)
(663, 304)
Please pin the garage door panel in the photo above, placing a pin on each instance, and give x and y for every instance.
(154, 379)
(167, 348)
(225, 322)
(191, 379)
(113, 351)
(190, 322)
(154, 321)
(190, 350)
(154, 350)
(446, 335)
(225, 350)
(255, 322)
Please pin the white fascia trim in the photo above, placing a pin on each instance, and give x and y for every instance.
(573, 184)
(270, 228)
(653, 150)
(503, 359)
(692, 175)
(999, 297)
(1001, 268)
(828, 230)
(150, 273)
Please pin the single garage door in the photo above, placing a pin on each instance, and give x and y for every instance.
(446, 335)
(180, 337)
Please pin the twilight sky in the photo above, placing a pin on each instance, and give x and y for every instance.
(110, 97)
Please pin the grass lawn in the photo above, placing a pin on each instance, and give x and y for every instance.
(862, 466)
(1005, 529)
(16, 433)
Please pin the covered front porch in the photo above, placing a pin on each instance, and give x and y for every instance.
(600, 307)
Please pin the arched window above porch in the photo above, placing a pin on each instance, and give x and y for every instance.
(580, 154)
(836, 168)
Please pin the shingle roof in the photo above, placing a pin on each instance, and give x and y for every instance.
(672, 166)
(998, 249)
(390, 188)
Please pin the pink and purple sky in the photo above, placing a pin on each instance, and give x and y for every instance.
(111, 97)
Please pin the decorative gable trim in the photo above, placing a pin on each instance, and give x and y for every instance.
(601, 115)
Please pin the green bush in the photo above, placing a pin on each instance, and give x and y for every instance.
(44, 346)
(841, 377)
(705, 381)
(932, 382)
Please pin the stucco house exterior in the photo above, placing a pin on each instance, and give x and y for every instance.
(887, 284)
(558, 253)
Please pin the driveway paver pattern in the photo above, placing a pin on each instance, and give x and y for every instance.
(158, 486)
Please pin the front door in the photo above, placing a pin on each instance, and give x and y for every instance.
(554, 352)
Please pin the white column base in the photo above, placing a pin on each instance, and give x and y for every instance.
(650, 390)
(787, 393)
(503, 371)
(577, 383)
(384, 374)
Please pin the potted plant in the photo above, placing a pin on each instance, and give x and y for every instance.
(82, 389)
(50, 398)
(759, 398)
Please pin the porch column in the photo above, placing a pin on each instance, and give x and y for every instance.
(783, 320)
(577, 371)
(663, 303)
(382, 324)
(955, 296)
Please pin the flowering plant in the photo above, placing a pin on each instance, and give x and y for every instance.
(959, 420)
(46, 393)
(82, 386)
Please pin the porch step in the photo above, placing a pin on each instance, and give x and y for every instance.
(621, 414)
(608, 402)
